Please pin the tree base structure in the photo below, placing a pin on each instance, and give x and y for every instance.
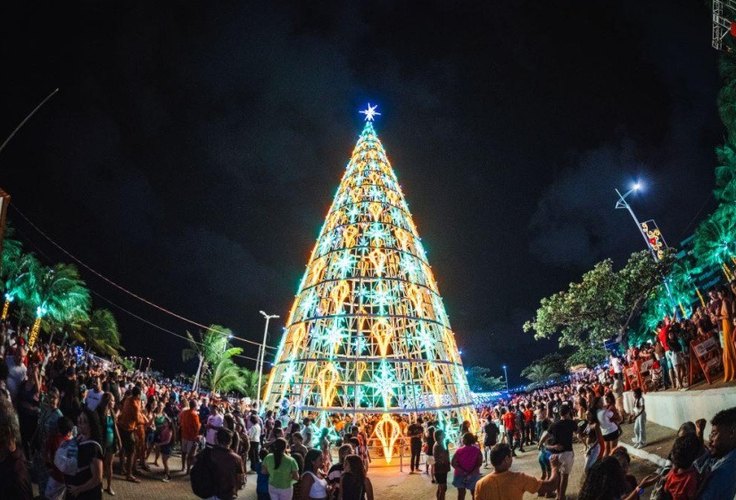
(367, 333)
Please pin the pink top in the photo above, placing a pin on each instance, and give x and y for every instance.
(467, 460)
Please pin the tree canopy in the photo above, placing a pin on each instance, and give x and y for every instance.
(603, 305)
(480, 380)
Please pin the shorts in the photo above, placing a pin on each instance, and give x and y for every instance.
(674, 358)
(467, 482)
(440, 477)
(566, 458)
(128, 440)
(165, 450)
(429, 460)
(188, 446)
(613, 436)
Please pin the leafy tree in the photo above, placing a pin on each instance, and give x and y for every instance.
(225, 375)
(605, 304)
(208, 349)
(61, 294)
(715, 237)
(20, 278)
(480, 380)
(550, 366)
(101, 332)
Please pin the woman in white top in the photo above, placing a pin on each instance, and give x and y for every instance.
(608, 419)
(313, 485)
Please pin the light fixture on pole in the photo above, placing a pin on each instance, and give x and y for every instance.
(263, 352)
(506, 377)
(622, 203)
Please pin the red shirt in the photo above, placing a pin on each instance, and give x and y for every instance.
(528, 415)
(509, 421)
(683, 485)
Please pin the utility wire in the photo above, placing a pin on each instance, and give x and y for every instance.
(120, 287)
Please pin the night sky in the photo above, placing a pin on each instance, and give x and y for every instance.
(194, 148)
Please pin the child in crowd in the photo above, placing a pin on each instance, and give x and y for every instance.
(683, 479)
(165, 436)
(261, 478)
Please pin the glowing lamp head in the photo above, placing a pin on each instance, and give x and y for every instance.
(637, 186)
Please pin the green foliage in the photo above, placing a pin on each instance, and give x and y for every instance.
(101, 332)
(715, 237)
(127, 364)
(61, 295)
(605, 304)
(590, 356)
(480, 380)
(550, 366)
(225, 375)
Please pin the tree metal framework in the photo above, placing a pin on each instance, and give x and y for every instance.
(724, 12)
(368, 332)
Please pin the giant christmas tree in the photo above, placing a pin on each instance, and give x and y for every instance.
(368, 332)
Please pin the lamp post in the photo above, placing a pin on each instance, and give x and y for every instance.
(622, 203)
(263, 352)
(506, 377)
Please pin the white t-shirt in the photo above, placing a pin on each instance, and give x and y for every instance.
(216, 421)
(616, 364)
(93, 399)
(254, 433)
(604, 418)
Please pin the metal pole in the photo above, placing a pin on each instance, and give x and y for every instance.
(263, 353)
(506, 376)
(622, 203)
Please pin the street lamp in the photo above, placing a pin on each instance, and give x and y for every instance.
(263, 352)
(506, 377)
(622, 203)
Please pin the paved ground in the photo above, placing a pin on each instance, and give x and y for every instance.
(389, 483)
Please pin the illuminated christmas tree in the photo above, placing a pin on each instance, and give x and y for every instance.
(368, 332)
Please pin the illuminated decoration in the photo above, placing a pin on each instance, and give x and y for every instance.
(655, 240)
(368, 332)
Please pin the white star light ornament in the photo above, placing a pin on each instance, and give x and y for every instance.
(370, 113)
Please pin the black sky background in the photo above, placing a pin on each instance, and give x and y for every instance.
(194, 148)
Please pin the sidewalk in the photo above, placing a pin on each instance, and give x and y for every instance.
(659, 443)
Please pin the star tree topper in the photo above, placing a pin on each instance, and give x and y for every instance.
(370, 113)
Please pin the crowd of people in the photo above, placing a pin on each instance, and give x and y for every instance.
(69, 420)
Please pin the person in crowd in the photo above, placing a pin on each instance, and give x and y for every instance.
(606, 481)
(213, 424)
(131, 416)
(593, 439)
(55, 489)
(718, 465)
(164, 443)
(640, 420)
(282, 471)
(466, 463)
(86, 484)
(508, 416)
(227, 467)
(354, 483)
(190, 425)
(544, 455)
(442, 463)
(502, 484)
(324, 447)
(111, 436)
(429, 457)
(15, 480)
(624, 460)
(683, 478)
(559, 443)
(47, 424)
(254, 439)
(415, 432)
(28, 403)
(312, 484)
(608, 425)
(726, 317)
(490, 438)
(335, 472)
(308, 432)
(94, 394)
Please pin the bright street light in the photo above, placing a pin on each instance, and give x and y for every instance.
(263, 352)
(506, 377)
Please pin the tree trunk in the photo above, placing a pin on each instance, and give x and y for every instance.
(199, 370)
(6, 307)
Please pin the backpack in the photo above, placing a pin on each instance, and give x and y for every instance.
(66, 456)
(203, 484)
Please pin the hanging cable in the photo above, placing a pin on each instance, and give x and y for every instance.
(120, 287)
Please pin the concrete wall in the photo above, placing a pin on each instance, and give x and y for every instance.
(672, 408)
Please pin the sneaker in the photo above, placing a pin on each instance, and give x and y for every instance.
(633, 440)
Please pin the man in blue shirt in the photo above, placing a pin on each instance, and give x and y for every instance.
(718, 465)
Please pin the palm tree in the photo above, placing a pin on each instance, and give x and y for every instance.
(226, 375)
(715, 238)
(19, 279)
(209, 349)
(539, 373)
(62, 295)
(101, 332)
(251, 388)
